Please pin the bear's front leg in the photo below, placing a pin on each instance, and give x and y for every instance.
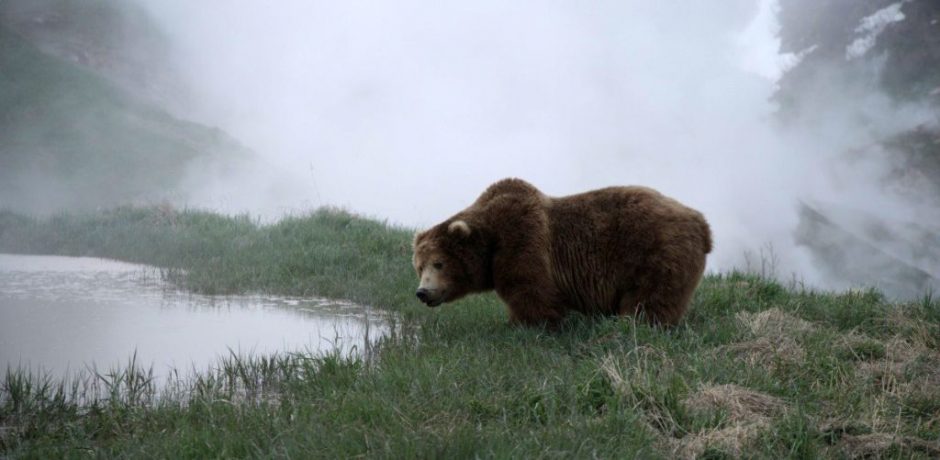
(522, 279)
(532, 309)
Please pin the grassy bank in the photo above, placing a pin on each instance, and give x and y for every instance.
(756, 369)
(329, 253)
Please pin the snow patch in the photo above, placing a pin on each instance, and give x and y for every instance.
(791, 60)
(872, 26)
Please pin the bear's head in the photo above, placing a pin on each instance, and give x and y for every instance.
(450, 260)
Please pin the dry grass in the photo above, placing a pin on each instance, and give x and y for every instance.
(636, 362)
(741, 405)
(748, 413)
(766, 352)
(905, 367)
(876, 445)
(773, 340)
(631, 375)
(734, 440)
(908, 365)
(774, 323)
(903, 320)
(899, 353)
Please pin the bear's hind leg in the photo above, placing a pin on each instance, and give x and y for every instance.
(664, 297)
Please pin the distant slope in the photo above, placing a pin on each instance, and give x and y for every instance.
(71, 139)
(116, 39)
(853, 52)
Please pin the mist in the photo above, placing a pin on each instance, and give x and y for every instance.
(407, 111)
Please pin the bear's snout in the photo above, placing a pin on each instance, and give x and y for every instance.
(422, 295)
(431, 297)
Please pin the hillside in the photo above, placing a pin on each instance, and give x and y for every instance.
(115, 39)
(867, 65)
(69, 138)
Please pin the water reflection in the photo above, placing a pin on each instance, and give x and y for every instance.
(63, 314)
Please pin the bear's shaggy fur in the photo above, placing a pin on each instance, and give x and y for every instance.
(617, 250)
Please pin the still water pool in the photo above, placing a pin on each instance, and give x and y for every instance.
(60, 315)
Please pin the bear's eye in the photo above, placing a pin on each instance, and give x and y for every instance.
(438, 265)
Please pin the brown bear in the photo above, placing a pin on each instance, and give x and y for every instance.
(617, 250)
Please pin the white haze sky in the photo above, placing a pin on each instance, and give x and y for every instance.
(407, 110)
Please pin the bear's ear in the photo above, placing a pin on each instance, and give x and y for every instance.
(459, 227)
(414, 242)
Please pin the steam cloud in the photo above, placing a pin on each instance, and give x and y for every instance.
(407, 110)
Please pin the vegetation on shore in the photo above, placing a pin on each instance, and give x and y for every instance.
(756, 369)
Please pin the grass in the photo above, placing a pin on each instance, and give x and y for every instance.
(757, 369)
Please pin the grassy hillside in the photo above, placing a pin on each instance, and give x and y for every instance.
(755, 370)
(71, 139)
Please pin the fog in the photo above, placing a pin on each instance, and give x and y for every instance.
(407, 110)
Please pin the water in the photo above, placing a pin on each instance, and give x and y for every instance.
(60, 315)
